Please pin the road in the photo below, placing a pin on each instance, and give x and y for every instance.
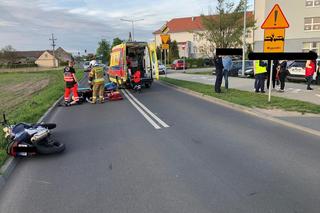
(198, 157)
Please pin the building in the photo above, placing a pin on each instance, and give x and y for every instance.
(44, 58)
(47, 60)
(186, 32)
(303, 16)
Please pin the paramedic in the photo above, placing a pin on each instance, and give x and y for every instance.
(97, 80)
(137, 81)
(71, 84)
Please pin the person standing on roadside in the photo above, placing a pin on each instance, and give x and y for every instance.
(274, 73)
(260, 70)
(227, 64)
(71, 84)
(282, 73)
(310, 70)
(219, 68)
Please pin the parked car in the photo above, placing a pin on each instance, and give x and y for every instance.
(237, 65)
(296, 70)
(86, 65)
(208, 62)
(162, 69)
(178, 64)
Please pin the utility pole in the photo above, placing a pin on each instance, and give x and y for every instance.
(53, 40)
(132, 22)
(244, 37)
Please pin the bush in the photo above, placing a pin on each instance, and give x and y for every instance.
(195, 62)
(13, 66)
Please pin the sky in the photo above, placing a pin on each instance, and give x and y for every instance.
(79, 25)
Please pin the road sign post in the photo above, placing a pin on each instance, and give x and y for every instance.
(274, 36)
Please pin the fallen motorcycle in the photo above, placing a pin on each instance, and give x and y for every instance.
(25, 140)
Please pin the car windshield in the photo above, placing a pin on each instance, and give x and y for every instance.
(298, 64)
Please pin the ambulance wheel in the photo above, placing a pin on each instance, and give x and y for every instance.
(147, 85)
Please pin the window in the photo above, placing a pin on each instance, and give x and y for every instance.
(312, 3)
(313, 46)
(312, 24)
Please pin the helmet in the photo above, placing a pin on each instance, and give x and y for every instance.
(93, 63)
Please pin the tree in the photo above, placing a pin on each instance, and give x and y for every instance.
(225, 29)
(116, 41)
(8, 53)
(103, 50)
(173, 51)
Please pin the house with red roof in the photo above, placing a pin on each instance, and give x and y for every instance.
(185, 32)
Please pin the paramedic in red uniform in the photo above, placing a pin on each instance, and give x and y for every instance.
(137, 80)
(71, 84)
(310, 70)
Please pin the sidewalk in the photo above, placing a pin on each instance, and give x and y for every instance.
(296, 91)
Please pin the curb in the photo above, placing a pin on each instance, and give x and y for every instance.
(242, 109)
(10, 164)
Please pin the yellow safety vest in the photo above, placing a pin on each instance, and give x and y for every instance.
(97, 74)
(259, 69)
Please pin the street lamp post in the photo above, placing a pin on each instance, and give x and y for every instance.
(244, 37)
(132, 22)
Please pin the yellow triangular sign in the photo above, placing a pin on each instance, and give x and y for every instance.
(165, 38)
(275, 19)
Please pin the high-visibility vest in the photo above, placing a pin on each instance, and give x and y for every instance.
(97, 74)
(67, 75)
(259, 69)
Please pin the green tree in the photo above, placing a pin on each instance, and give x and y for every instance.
(103, 50)
(225, 29)
(116, 41)
(173, 51)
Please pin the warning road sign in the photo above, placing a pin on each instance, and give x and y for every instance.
(273, 40)
(165, 38)
(165, 46)
(275, 19)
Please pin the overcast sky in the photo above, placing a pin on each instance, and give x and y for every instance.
(80, 24)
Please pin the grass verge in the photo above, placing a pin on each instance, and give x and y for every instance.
(248, 99)
(200, 73)
(36, 101)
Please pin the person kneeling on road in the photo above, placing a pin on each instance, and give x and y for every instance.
(96, 78)
(137, 81)
(71, 84)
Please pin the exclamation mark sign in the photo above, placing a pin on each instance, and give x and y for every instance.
(275, 17)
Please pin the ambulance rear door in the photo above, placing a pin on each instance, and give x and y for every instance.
(153, 58)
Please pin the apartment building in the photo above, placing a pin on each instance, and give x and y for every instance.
(303, 16)
(186, 32)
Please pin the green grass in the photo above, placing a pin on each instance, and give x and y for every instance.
(23, 105)
(200, 73)
(248, 99)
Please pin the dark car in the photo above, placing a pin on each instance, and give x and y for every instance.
(237, 68)
(178, 64)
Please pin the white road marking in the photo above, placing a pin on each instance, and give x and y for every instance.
(318, 95)
(156, 126)
(148, 111)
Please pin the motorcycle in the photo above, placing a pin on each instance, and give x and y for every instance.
(25, 140)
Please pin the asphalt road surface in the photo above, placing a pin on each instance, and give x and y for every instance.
(187, 155)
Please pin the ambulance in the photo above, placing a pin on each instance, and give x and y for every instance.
(127, 58)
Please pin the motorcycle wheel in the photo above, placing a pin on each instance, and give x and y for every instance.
(49, 146)
(49, 125)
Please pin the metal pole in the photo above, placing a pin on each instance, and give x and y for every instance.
(270, 81)
(165, 58)
(132, 30)
(244, 37)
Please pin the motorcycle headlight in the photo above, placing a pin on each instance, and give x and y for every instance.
(7, 132)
